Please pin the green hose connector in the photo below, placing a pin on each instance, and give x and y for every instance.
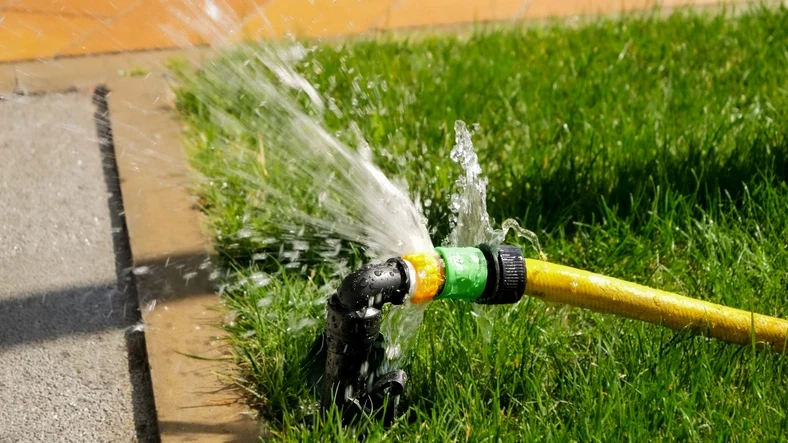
(465, 271)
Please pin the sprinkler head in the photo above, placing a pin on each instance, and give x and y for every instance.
(347, 349)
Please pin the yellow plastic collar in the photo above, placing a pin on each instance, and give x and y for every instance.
(429, 275)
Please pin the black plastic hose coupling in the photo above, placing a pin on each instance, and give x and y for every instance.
(352, 339)
(506, 275)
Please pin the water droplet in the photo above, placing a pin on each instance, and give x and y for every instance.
(260, 279)
(141, 270)
(245, 233)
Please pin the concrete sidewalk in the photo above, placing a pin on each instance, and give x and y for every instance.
(73, 368)
(63, 154)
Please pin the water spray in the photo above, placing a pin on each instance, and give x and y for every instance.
(353, 343)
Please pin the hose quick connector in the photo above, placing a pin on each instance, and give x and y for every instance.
(506, 275)
(466, 273)
(483, 275)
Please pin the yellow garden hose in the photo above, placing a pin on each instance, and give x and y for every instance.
(562, 284)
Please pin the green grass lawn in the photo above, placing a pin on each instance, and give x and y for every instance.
(649, 149)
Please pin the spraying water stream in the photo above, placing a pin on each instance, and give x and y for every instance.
(314, 198)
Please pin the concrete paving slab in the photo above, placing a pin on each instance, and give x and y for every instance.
(65, 314)
(7, 80)
(172, 266)
(156, 62)
(84, 73)
(68, 74)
